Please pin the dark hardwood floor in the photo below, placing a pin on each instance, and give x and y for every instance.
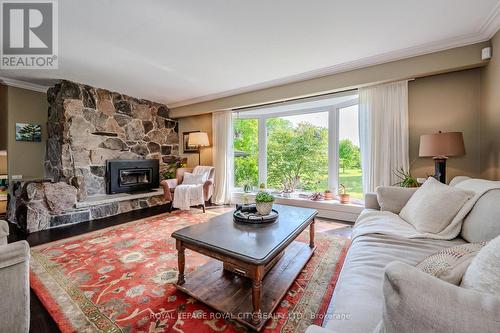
(54, 234)
(40, 319)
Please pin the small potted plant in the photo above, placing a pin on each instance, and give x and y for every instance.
(344, 197)
(328, 195)
(405, 178)
(264, 203)
(262, 186)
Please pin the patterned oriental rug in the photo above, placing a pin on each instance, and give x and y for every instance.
(120, 279)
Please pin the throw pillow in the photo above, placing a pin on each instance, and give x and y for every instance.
(419, 303)
(433, 206)
(393, 198)
(192, 179)
(451, 263)
(483, 273)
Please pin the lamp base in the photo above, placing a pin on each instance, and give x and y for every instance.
(440, 169)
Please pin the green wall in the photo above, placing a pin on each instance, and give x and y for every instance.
(25, 106)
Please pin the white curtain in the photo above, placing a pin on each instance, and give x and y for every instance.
(383, 127)
(223, 156)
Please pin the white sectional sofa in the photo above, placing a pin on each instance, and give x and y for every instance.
(358, 301)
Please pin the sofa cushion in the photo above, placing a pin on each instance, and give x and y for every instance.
(483, 223)
(477, 185)
(483, 274)
(434, 205)
(451, 263)
(393, 198)
(358, 294)
(417, 302)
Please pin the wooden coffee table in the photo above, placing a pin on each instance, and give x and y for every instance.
(255, 266)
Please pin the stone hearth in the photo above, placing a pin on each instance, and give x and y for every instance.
(39, 204)
(87, 126)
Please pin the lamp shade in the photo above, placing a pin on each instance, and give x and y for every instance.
(442, 145)
(198, 139)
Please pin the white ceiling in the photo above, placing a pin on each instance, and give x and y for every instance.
(180, 52)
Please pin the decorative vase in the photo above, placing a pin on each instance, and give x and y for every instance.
(264, 208)
(344, 198)
(328, 196)
(247, 188)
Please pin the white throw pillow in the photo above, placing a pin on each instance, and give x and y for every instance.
(433, 206)
(451, 263)
(192, 179)
(393, 198)
(483, 273)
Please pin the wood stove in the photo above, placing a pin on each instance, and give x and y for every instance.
(129, 176)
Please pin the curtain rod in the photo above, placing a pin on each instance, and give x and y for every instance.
(291, 100)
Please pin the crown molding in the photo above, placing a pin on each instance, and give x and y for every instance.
(24, 84)
(379, 59)
(486, 31)
(492, 23)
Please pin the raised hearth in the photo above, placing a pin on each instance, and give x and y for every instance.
(97, 200)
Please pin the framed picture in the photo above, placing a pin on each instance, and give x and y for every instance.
(187, 148)
(28, 132)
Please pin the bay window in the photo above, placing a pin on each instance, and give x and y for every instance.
(309, 145)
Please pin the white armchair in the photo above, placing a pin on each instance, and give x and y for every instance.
(14, 284)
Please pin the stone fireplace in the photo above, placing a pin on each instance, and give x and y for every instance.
(86, 128)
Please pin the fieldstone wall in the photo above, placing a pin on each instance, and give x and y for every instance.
(88, 126)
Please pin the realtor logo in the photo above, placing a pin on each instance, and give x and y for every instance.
(29, 34)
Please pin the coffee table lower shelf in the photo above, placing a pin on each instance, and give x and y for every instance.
(232, 294)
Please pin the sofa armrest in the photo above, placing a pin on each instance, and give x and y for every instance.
(208, 189)
(418, 302)
(167, 185)
(14, 287)
(4, 232)
(371, 201)
(14, 253)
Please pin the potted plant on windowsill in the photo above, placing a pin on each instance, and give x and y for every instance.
(328, 195)
(344, 197)
(264, 203)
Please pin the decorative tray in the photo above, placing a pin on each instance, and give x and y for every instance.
(249, 215)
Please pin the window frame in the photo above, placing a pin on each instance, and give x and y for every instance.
(333, 138)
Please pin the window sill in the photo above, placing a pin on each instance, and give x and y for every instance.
(331, 209)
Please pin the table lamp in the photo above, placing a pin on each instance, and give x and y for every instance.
(198, 140)
(440, 146)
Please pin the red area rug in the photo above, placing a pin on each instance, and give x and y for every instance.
(120, 279)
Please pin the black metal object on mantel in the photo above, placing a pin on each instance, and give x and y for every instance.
(249, 214)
